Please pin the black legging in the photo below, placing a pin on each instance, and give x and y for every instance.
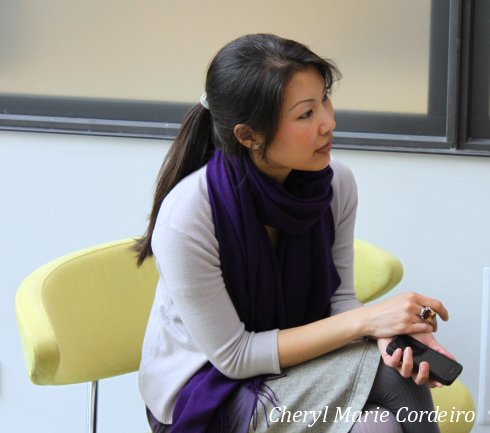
(395, 405)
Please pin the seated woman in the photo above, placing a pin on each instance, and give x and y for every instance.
(255, 325)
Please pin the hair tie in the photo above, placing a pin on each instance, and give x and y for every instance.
(204, 101)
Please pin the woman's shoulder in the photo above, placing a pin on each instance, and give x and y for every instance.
(342, 173)
(186, 207)
(344, 190)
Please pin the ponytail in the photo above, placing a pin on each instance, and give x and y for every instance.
(192, 148)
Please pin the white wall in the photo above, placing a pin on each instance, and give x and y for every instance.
(433, 213)
(64, 192)
(60, 193)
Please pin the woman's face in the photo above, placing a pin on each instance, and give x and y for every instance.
(304, 138)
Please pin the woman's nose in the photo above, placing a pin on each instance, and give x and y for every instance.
(328, 122)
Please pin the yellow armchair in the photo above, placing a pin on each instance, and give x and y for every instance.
(82, 317)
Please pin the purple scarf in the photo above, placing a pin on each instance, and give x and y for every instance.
(282, 287)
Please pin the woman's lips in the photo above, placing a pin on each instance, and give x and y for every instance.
(326, 148)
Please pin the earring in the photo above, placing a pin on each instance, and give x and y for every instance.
(256, 146)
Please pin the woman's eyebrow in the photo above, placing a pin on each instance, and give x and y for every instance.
(325, 90)
(302, 102)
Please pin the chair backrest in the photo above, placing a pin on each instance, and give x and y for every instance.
(82, 316)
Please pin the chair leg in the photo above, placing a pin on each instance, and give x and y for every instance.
(92, 407)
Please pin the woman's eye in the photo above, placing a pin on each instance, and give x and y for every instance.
(306, 115)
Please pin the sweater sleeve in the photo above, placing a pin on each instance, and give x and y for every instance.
(344, 208)
(191, 270)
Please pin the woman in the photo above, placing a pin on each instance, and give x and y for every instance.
(255, 324)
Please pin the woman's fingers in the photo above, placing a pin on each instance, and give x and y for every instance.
(402, 361)
(422, 376)
(437, 306)
(401, 315)
(394, 360)
(435, 384)
(419, 328)
(406, 368)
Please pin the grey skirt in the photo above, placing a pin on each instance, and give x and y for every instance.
(319, 396)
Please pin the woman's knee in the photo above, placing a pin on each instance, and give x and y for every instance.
(376, 419)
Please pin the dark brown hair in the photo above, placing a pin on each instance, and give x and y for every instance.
(245, 84)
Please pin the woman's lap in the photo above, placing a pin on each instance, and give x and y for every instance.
(327, 395)
(321, 395)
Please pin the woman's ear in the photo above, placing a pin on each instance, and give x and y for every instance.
(247, 136)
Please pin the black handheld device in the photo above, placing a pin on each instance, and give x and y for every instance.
(441, 368)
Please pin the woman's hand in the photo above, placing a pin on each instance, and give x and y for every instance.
(405, 367)
(400, 315)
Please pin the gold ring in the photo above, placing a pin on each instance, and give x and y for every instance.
(430, 316)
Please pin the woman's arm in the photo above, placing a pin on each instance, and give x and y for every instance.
(190, 269)
(344, 208)
(397, 315)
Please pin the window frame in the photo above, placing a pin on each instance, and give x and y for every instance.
(447, 99)
(468, 143)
